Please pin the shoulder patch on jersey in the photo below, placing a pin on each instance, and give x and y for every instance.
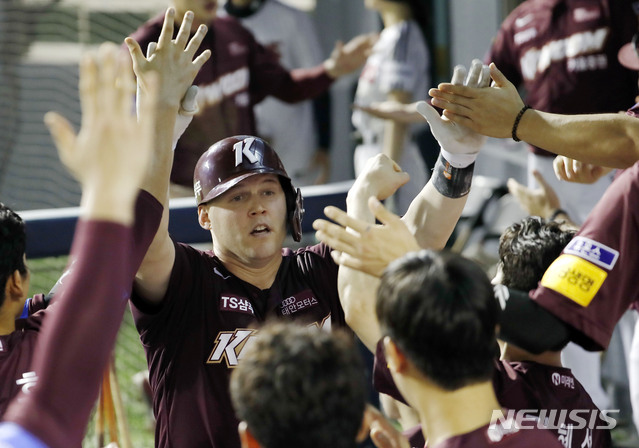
(593, 251)
(577, 279)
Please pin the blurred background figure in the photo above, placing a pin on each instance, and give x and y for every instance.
(397, 70)
(301, 132)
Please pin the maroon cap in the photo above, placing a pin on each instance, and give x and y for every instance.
(233, 159)
(627, 55)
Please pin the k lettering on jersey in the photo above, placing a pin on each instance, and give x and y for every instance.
(298, 302)
(229, 346)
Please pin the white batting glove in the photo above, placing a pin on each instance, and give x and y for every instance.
(188, 108)
(459, 145)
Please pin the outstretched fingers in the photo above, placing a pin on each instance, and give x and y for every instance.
(166, 35)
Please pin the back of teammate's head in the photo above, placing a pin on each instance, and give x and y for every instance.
(440, 310)
(527, 248)
(13, 240)
(300, 387)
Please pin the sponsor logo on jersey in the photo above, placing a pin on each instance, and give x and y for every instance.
(537, 60)
(225, 86)
(586, 14)
(577, 279)
(563, 380)
(298, 302)
(237, 304)
(230, 345)
(593, 251)
(28, 380)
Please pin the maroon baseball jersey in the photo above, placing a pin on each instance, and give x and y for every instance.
(16, 352)
(22, 354)
(239, 74)
(206, 320)
(535, 387)
(502, 435)
(564, 53)
(594, 280)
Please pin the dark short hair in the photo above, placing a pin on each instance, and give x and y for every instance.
(440, 310)
(527, 248)
(300, 387)
(13, 241)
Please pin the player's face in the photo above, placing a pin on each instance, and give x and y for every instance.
(248, 222)
(203, 10)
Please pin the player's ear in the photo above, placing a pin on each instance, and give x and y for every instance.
(395, 358)
(246, 437)
(203, 217)
(16, 285)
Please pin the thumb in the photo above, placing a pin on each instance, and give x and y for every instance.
(498, 77)
(428, 112)
(339, 46)
(514, 187)
(380, 212)
(62, 133)
(188, 106)
(541, 181)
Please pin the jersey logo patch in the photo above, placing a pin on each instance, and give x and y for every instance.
(592, 251)
(298, 302)
(237, 304)
(575, 278)
(563, 380)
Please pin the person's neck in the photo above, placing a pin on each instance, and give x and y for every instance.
(7, 321)
(260, 274)
(395, 13)
(513, 353)
(445, 414)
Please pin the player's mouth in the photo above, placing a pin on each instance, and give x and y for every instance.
(261, 229)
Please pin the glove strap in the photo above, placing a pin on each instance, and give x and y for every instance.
(450, 181)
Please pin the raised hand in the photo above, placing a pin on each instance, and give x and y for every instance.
(366, 247)
(172, 59)
(453, 137)
(110, 154)
(542, 201)
(572, 170)
(348, 57)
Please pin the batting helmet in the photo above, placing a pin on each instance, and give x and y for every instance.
(233, 159)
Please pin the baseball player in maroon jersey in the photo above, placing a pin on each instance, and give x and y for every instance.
(109, 156)
(240, 74)
(438, 317)
(564, 54)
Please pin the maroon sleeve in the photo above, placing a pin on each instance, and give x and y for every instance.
(607, 243)
(76, 340)
(268, 77)
(503, 55)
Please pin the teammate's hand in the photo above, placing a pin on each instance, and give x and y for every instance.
(366, 247)
(381, 431)
(572, 170)
(452, 137)
(392, 110)
(172, 59)
(110, 155)
(490, 112)
(348, 57)
(542, 201)
(381, 178)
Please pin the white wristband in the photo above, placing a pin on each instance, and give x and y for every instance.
(459, 160)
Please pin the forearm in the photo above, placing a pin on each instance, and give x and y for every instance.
(432, 217)
(608, 140)
(393, 144)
